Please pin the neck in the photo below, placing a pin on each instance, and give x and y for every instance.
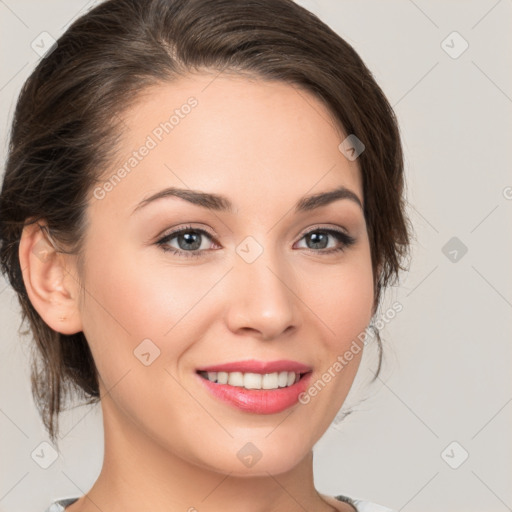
(138, 473)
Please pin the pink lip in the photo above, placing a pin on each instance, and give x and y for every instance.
(258, 401)
(254, 366)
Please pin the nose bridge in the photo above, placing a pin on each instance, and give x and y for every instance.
(261, 296)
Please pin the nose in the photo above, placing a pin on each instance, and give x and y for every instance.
(262, 301)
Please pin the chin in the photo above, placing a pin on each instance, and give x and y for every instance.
(258, 455)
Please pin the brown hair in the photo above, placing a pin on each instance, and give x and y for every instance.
(66, 125)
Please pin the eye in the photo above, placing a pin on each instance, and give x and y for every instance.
(189, 241)
(318, 238)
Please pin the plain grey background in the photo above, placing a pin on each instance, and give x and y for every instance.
(434, 431)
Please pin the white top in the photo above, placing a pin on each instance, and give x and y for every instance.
(368, 506)
(360, 505)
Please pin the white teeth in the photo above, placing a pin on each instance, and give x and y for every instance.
(269, 381)
(222, 377)
(282, 379)
(253, 380)
(236, 379)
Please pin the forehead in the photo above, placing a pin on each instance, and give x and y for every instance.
(222, 133)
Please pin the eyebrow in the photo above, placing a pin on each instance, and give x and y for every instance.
(223, 204)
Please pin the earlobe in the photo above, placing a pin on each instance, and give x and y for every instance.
(51, 288)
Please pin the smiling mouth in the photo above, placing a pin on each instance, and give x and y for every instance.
(248, 380)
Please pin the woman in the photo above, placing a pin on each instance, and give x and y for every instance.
(201, 207)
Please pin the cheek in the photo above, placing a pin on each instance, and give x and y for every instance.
(129, 300)
(353, 307)
(341, 297)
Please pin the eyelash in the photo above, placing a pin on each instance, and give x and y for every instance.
(345, 240)
(342, 237)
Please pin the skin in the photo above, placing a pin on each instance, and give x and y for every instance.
(169, 444)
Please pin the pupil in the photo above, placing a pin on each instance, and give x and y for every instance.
(190, 237)
(317, 239)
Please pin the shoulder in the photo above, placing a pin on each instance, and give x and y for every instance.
(60, 505)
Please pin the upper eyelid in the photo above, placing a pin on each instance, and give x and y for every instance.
(180, 230)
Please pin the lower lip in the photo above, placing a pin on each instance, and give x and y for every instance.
(259, 401)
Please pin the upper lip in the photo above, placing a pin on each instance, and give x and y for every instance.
(254, 366)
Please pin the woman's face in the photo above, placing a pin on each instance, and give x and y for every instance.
(257, 282)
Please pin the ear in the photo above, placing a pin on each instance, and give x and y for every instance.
(50, 280)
